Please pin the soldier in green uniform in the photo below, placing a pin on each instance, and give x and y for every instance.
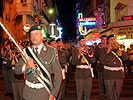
(83, 74)
(6, 67)
(63, 61)
(112, 59)
(99, 66)
(42, 61)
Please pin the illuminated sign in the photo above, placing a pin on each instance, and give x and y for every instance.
(127, 18)
(59, 32)
(43, 32)
(26, 27)
(80, 15)
(121, 37)
(87, 23)
(84, 22)
(87, 19)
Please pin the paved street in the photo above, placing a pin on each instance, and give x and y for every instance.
(127, 91)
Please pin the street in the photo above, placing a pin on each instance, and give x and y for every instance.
(127, 91)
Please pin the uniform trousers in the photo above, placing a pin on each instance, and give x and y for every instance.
(83, 88)
(7, 78)
(101, 84)
(113, 88)
(18, 90)
(61, 93)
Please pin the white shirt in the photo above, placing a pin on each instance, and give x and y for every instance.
(39, 48)
(39, 51)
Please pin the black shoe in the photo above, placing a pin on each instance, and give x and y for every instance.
(11, 94)
(7, 94)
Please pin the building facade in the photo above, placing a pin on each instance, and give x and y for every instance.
(121, 19)
(17, 13)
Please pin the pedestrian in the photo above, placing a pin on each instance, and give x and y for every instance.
(112, 59)
(130, 60)
(83, 73)
(100, 66)
(41, 63)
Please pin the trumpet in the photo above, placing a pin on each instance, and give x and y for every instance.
(115, 45)
(85, 50)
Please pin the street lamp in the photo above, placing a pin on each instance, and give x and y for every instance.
(51, 10)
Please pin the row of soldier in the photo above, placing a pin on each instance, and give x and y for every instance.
(56, 58)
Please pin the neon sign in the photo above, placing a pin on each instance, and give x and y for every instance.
(59, 32)
(87, 19)
(127, 18)
(83, 22)
(87, 23)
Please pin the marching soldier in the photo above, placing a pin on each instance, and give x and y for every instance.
(42, 61)
(17, 80)
(6, 67)
(83, 73)
(112, 59)
(99, 66)
(63, 61)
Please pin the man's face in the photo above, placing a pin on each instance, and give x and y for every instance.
(36, 37)
(112, 40)
(104, 40)
(7, 47)
(53, 44)
(60, 44)
(82, 42)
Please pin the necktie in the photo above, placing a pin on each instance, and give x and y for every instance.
(36, 51)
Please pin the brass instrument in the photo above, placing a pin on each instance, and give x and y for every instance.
(117, 46)
(84, 50)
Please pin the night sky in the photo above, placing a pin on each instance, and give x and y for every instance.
(67, 16)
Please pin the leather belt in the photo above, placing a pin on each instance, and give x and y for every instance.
(84, 66)
(114, 68)
(33, 85)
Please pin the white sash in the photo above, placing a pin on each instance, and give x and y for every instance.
(41, 75)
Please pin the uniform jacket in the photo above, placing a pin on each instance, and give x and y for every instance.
(54, 67)
(81, 73)
(109, 59)
(15, 77)
(99, 65)
(62, 58)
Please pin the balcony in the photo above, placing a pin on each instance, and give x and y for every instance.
(20, 9)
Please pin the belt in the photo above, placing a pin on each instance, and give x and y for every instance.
(33, 85)
(114, 68)
(4, 62)
(84, 66)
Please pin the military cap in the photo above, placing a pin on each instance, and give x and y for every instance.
(51, 40)
(45, 40)
(8, 43)
(103, 36)
(112, 35)
(35, 27)
(6, 39)
(58, 40)
(81, 37)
